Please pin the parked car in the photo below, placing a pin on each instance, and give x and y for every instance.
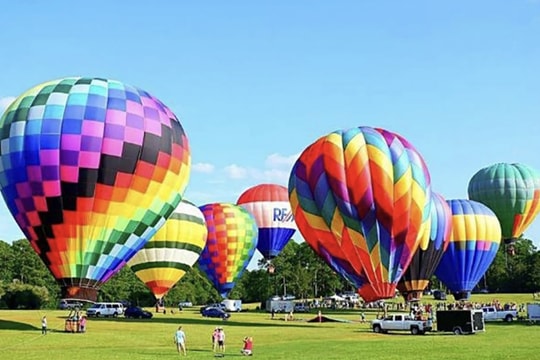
(105, 309)
(215, 305)
(301, 308)
(439, 295)
(183, 304)
(215, 312)
(66, 304)
(136, 312)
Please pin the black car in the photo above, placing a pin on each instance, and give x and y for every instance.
(215, 313)
(137, 313)
(439, 295)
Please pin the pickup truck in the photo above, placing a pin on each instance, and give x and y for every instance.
(401, 322)
(491, 314)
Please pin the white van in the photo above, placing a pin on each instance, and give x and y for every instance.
(105, 309)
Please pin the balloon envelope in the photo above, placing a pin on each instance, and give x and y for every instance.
(172, 251)
(231, 243)
(371, 189)
(512, 191)
(269, 205)
(474, 241)
(427, 257)
(320, 236)
(90, 168)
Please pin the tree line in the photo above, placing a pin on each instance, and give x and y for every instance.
(25, 282)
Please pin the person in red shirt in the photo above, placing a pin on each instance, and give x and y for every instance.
(247, 350)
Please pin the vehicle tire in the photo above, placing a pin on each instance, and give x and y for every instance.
(377, 329)
(509, 318)
(414, 330)
(457, 331)
(115, 314)
(97, 314)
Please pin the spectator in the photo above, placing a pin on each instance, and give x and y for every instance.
(180, 340)
(247, 350)
(44, 325)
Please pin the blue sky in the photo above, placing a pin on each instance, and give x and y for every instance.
(255, 82)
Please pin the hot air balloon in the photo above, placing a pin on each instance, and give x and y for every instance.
(231, 243)
(434, 242)
(474, 241)
(512, 191)
(371, 189)
(318, 237)
(269, 204)
(172, 251)
(90, 169)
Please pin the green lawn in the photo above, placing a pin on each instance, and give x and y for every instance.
(20, 337)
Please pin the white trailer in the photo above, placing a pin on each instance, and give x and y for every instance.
(280, 306)
(232, 305)
(533, 312)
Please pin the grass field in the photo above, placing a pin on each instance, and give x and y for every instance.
(21, 339)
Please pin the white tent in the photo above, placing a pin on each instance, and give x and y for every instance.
(335, 297)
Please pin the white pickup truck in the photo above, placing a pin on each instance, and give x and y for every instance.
(401, 322)
(492, 314)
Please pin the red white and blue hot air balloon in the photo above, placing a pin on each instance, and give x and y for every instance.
(269, 205)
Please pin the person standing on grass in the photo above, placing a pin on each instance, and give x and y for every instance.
(221, 341)
(215, 339)
(44, 325)
(180, 340)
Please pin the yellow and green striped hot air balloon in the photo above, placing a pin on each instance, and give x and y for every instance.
(166, 258)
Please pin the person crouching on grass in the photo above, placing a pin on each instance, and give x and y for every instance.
(247, 350)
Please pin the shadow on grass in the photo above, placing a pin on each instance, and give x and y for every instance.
(513, 323)
(212, 321)
(14, 325)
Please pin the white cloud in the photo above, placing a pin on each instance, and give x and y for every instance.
(278, 160)
(204, 168)
(5, 102)
(236, 172)
(276, 170)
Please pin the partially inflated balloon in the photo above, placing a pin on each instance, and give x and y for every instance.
(371, 189)
(232, 241)
(269, 204)
(512, 191)
(474, 241)
(172, 251)
(90, 168)
(434, 242)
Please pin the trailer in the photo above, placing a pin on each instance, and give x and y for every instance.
(460, 321)
(232, 305)
(279, 306)
(533, 312)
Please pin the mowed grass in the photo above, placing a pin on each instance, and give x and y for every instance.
(20, 337)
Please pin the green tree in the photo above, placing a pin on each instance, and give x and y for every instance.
(7, 259)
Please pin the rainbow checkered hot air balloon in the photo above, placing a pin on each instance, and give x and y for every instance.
(427, 257)
(269, 204)
(371, 189)
(172, 251)
(512, 191)
(473, 245)
(232, 240)
(90, 168)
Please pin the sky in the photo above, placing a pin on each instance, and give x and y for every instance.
(255, 82)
